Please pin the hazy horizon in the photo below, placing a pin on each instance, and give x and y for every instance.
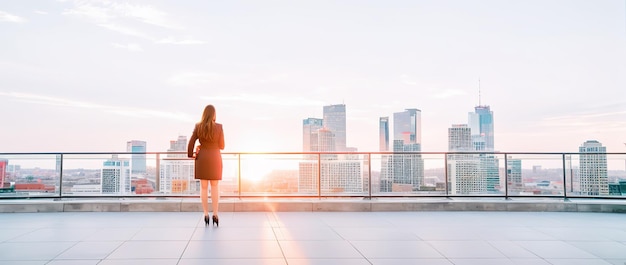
(88, 76)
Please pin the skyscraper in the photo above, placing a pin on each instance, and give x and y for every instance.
(335, 121)
(138, 161)
(481, 123)
(404, 172)
(514, 175)
(115, 176)
(407, 126)
(310, 126)
(176, 171)
(336, 172)
(460, 138)
(3, 171)
(473, 173)
(593, 169)
(383, 131)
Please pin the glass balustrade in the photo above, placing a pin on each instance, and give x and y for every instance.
(332, 174)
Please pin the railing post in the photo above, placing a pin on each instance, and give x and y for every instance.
(369, 174)
(239, 175)
(158, 172)
(60, 176)
(506, 176)
(564, 178)
(319, 176)
(445, 170)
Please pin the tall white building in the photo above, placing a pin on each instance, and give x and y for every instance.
(176, 173)
(470, 173)
(593, 169)
(341, 174)
(115, 176)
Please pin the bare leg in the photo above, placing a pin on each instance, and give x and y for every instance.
(215, 196)
(204, 195)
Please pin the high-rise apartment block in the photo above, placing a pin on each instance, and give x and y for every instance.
(176, 173)
(473, 173)
(138, 161)
(593, 169)
(115, 176)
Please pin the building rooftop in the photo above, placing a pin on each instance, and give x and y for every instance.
(144, 233)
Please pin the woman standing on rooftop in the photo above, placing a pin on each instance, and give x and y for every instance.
(208, 160)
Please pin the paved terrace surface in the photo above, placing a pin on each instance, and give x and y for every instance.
(145, 236)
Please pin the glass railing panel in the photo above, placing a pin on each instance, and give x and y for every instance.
(596, 175)
(177, 175)
(535, 175)
(342, 174)
(278, 175)
(475, 174)
(29, 175)
(109, 174)
(408, 175)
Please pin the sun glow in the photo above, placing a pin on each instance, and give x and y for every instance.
(256, 168)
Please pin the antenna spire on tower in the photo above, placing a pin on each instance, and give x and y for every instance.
(479, 102)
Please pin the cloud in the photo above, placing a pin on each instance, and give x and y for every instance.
(188, 41)
(405, 79)
(6, 17)
(105, 11)
(123, 18)
(125, 30)
(40, 12)
(448, 93)
(120, 110)
(266, 100)
(604, 121)
(130, 47)
(193, 79)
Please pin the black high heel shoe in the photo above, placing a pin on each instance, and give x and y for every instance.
(216, 221)
(206, 220)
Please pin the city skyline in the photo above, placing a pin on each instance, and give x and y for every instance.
(88, 76)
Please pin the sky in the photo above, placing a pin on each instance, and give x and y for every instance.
(88, 76)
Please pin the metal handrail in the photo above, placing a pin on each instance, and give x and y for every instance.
(319, 195)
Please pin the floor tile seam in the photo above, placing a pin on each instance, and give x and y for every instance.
(61, 253)
(438, 251)
(562, 241)
(182, 253)
(503, 254)
(280, 246)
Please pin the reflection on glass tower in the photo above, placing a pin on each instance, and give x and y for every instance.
(335, 121)
(138, 161)
(383, 132)
(404, 172)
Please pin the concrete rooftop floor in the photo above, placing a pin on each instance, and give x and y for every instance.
(266, 237)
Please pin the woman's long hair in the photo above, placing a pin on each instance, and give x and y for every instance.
(205, 126)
